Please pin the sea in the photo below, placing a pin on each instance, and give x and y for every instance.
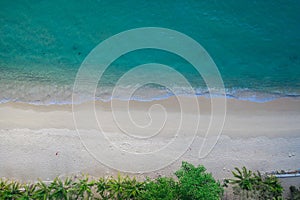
(254, 44)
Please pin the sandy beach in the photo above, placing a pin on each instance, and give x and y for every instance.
(42, 142)
(138, 88)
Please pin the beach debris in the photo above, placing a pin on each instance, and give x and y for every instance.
(125, 145)
(293, 153)
(285, 174)
(225, 169)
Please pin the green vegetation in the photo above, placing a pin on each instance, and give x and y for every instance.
(160, 189)
(249, 185)
(192, 183)
(195, 183)
(295, 193)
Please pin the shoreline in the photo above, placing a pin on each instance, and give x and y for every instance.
(281, 116)
(267, 99)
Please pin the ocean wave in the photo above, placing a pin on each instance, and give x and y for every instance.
(56, 95)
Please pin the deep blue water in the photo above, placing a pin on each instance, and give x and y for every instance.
(255, 44)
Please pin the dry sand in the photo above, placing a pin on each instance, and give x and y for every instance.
(42, 141)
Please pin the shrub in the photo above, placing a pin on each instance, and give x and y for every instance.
(10, 190)
(61, 189)
(268, 187)
(28, 192)
(82, 188)
(42, 191)
(193, 183)
(101, 188)
(196, 183)
(295, 193)
(132, 188)
(160, 189)
(3, 187)
(253, 185)
(121, 188)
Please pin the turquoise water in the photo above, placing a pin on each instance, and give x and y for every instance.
(255, 44)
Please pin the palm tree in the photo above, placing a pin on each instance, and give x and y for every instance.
(244, 178)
